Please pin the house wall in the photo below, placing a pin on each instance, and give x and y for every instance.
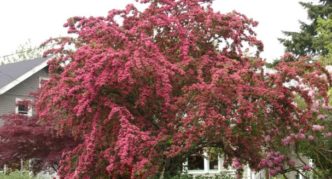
(22, 90)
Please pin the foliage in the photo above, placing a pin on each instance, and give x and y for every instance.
(307, 41)
(144, 92)
(28, 51)
(315, 39)
(218, 176)
(324, 38)
(25, 174)
(139, 98)
(320, 149)
(16, 175)
(26, 138)
(25, 51)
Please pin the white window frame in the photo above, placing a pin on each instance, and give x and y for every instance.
(17, 100)
(207, 171)
(42, 79)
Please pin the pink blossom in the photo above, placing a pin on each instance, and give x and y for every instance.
(321, 116)
(300, 136)
(317, 128)
(328, 134)
(267, 138)
(286, 141)
(306, 168)
(236, 164)
(311, 138)
(273, 172)
(328, 107)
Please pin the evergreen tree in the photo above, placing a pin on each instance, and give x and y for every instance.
(306, 42)
(324, 39)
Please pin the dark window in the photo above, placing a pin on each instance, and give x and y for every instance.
(23, 106)
(23, 109)
(213, 161)
(196, 162)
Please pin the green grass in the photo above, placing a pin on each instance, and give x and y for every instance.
(16, 175)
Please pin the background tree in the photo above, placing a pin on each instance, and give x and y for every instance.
(324, 38)
(305, 41)
(25, 51)
(314, 39)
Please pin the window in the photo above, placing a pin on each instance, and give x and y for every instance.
(42, 80)
(23, 107)
(203, 162)
(213, 160)
(196, 162)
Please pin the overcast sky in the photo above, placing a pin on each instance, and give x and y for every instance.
(39, 20)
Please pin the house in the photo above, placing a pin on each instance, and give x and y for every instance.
(17, 81)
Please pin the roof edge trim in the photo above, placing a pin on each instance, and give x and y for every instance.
(23, 77)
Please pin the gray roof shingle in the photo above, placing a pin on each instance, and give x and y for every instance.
(11, 72)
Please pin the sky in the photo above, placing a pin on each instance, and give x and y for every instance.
(38, 20)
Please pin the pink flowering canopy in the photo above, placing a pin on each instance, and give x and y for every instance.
(141, 89)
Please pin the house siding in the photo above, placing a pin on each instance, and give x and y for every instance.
(22, 90)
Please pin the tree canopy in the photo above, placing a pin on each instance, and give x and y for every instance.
(324, 38)
(314, 39)
(313, 36)
(145, 89)
(26, 138)
(25, 51)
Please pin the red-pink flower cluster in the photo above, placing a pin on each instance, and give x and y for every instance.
(274, 161)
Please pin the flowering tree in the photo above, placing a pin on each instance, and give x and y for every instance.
(314, 39)
(145, 89)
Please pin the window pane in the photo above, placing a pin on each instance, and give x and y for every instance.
(213, 160)
(214, 164)
(196, 162)
(23, 108)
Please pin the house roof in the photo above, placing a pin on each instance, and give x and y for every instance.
(15, 73)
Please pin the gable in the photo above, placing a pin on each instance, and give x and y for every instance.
(15, 73)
